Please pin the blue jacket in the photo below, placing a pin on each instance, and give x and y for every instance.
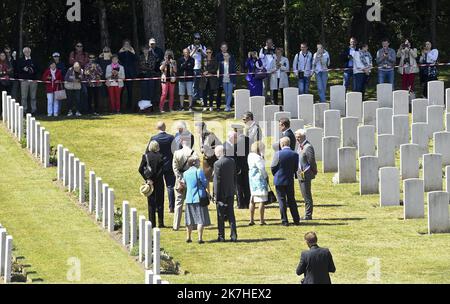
(166, 142)
(284, 167)
(196, 187)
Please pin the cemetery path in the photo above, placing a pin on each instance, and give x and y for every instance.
(58, 240)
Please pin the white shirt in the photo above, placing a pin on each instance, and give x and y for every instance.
(198, 56)
(226, 72)
(266, 59)
(432, 56)
(303, 63)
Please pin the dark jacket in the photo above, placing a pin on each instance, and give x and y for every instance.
(33, 70)
(344, 57)
(155, 161)
(224, 179)
(165, 142)
(232, 70)
(186, 69)
(147, 66)
(129, 62)
(316, 264)
(239, 153)
(211, 67)
(284, 167)
(159, 57)
(291, 136)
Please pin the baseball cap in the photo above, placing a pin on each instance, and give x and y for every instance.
(152, 41)
(56, 54)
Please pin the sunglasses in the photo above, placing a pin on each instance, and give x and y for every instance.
(79, 46)
(208, 52)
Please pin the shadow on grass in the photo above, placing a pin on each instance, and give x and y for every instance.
(248, 241)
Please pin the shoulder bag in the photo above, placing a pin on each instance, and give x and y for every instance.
(204, 201)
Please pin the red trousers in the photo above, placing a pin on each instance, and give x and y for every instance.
(167, 88)
(408, 82)
(114, 98)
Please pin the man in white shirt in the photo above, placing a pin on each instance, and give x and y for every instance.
(428, 73)
(303, 68)
(321, 61)
(198, 52)
(267, 55)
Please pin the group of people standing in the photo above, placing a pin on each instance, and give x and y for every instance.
(236, 168)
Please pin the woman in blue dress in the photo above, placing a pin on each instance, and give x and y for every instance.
(254, 66)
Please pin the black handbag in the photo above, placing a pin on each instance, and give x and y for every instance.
(147, 169)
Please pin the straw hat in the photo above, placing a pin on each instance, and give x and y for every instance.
(146, 190)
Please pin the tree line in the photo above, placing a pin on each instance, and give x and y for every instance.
(244, 24)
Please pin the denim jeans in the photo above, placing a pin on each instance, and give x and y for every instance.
(322, 80)
(386, 77)
(348, 76)
(360, 82)
(303, 85)
(228, 89)
(196, 91)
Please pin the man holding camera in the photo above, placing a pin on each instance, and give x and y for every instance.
(267, 55)
(303, 68)
(386, 58)
(198, 52)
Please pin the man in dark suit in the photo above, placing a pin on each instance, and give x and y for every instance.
(166, 142)
(284, 167)
(307, 171)
(238, 147)
(315, 264)
(224, 190)
(285, 128)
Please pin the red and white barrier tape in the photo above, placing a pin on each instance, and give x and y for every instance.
(202, 76)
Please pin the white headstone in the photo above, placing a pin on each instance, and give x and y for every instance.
(432, 172)
(419, 136)
(447, 179)
(297, 124)
(442, 146)
(98, 198)
(354, 105)
(20, 130)
(370, 113)
(436, 93)
(37, 133)
(389, 187)
(419, 110)
(65, 167)
(401, 102)
(347, 165)
(314, 136)
(435, 119)
(447, 98)
(105, 199)
(110, 222)
(349, 132)
(366, 141)
(148, 245)
(28, 130)
(125, 223)
(46, 158)
(2, 250)
(276, 127)
(71, 172)
(400, 128)
(60, 162)
(156, 251)
(368, 178)
(4, 94)
(337, 98)
(81, 184)
(386, 150)
(149, 277)
(133, 228)
(257, 104)
(41, 141)
(269, 112)
(413, 199)
(306, 108)
(438, 217)
(32, 137)
(332, 125)
(92, 192)
(242, 103)
(8, 259)
(141, 238)
(384, 95)
(409, 161)
(319, 114)
(290, 96)
(447, 121)
(76, 167)
(330, 146)
(384, 121)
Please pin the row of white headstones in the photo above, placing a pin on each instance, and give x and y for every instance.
(373, 131)
(71, 173)
(6, 246)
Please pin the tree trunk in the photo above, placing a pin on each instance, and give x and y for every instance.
(433, 21)
(242, 56)
(153, 21)
(103, 21)
(286, 29)
(21, 15)
(221, 24)
(135, 26)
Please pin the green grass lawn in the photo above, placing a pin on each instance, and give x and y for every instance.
(355, 228)
(49, 229)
